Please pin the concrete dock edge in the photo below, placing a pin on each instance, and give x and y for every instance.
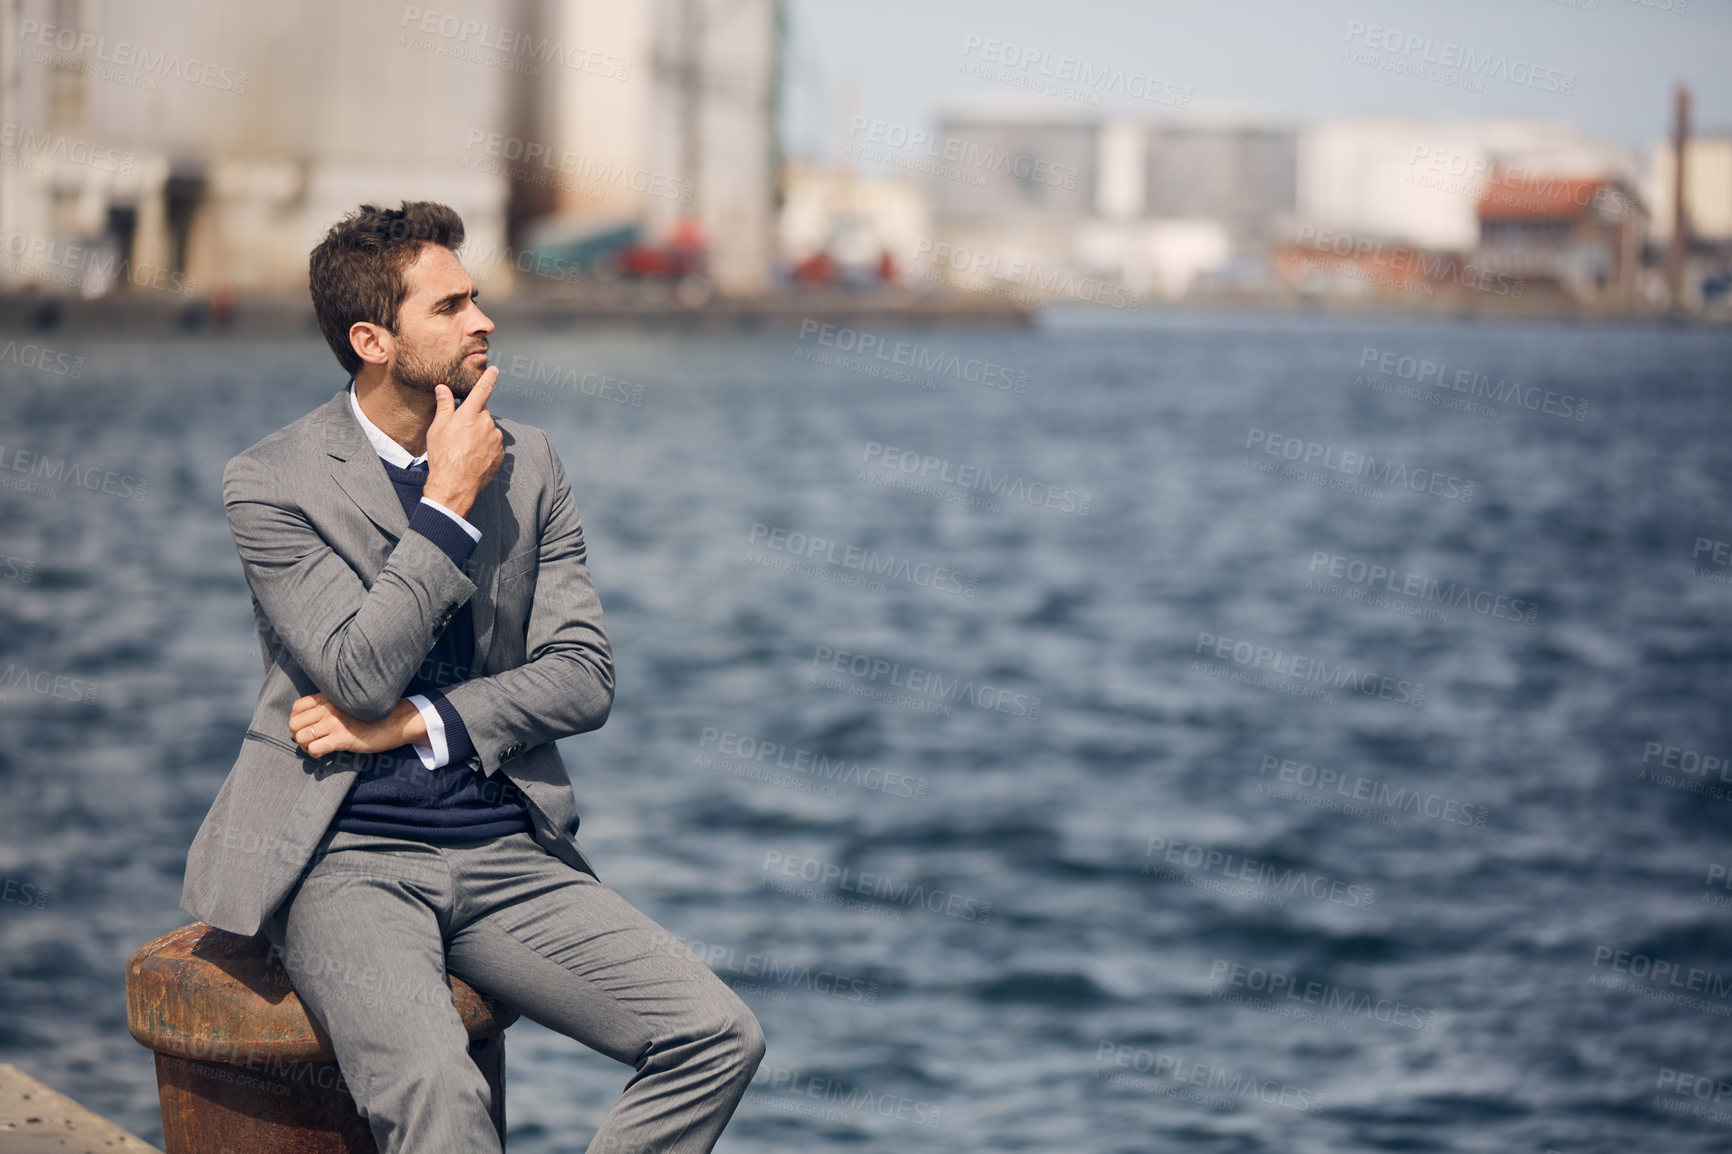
(35, 1118)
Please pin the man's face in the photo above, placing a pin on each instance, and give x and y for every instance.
(441, 333)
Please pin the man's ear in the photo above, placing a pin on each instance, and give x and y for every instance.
(373, 343)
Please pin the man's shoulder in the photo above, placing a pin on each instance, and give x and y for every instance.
(529, 444)
(523, 432)
(533, 472)
(292, 437)
(292, 442)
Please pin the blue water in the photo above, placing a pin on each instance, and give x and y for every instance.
(1108, 901)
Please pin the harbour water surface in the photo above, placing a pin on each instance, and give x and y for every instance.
(1206, 734)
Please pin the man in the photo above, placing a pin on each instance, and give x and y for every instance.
(398, 808)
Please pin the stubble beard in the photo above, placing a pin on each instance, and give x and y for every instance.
(414, 371)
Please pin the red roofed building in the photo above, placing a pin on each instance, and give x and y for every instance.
(1583, 235)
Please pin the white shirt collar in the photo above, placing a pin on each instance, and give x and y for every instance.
(382, 443)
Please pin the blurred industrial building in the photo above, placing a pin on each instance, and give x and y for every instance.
(204, 148)
(213, 144)
(1389, 210)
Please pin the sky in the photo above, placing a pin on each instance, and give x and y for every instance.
(1605, 66)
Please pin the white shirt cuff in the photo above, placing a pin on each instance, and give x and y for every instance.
(474, 533)
(435, 753)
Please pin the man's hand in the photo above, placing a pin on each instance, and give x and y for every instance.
(321, 728)
(464, 445)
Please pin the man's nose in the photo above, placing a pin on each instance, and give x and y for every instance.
(480, 323)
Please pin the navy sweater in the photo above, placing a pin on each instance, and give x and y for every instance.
(395, 794)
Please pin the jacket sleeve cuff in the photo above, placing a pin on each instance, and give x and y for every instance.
(447, 736)
(457, 744)
(455, 536)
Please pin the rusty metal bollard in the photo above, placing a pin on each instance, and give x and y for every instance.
(241, 1068)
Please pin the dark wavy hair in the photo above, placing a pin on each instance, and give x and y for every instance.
(356, 272)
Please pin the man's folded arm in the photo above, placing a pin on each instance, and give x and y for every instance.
(359, 646)
(566, 685)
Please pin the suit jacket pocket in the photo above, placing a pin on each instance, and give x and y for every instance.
(319, 767)
(255, 735)
(515, 566)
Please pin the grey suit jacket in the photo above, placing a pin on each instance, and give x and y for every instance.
(348, 602)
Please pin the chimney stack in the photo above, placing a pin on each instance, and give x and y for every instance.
(1680, 249)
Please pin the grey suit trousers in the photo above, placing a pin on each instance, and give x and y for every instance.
(373, 925)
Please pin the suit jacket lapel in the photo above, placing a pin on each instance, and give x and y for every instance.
(356, 469)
